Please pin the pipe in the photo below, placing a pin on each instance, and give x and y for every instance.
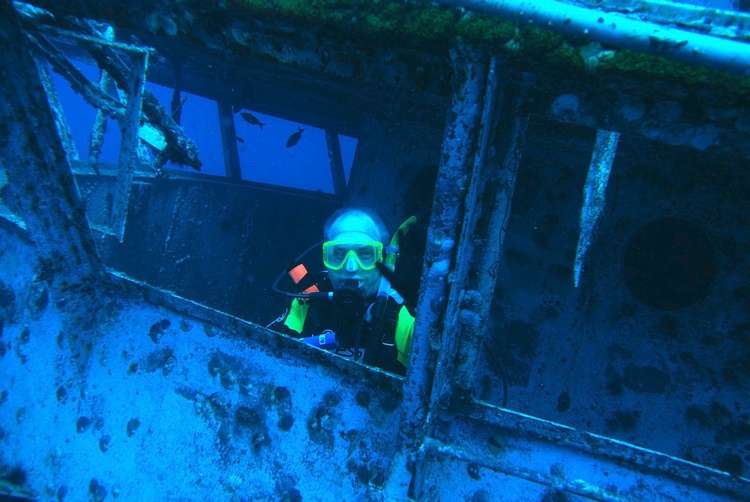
(618, 30)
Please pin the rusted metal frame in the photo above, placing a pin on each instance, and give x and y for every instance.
(461, 300)
(479, 99)
(100, 126)
(509, 132)
(433, 344)
(129, 144)
(624, 454)
(66, 138)
(232, 168)
(93, 95)
(336, 163)
(100, 121)
(140, 150)
(41, 185)
(179, 148)
(436, 448)
(44, 22)
(440, 263)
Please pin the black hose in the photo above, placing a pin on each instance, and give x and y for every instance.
(290, 294)
(501, 373)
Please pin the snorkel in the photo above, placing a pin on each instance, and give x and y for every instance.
(388, 268)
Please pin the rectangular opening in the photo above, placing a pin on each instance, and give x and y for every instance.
(648, 348)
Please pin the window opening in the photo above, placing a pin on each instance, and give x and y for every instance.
(199, 120)
(280, 152)
(620, 354)
(139, 116)
(126, 107)
(80, 117)
(270, 150)
(120, 61)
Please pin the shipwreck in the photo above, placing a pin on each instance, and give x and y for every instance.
(582, 294)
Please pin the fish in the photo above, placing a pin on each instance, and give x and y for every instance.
(294, 138)
(240, 139)
(252, 119)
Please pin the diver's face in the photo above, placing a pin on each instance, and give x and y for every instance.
(350, 230)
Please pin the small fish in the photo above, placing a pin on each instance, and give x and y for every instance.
(240, 139)
(294, 138)
(252, 119)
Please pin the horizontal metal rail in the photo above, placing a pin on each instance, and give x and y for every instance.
(621, 31)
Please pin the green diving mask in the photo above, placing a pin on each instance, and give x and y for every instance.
(365, 253)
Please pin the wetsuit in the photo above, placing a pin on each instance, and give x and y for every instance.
(385, 343)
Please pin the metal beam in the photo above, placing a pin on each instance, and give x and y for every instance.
(461, 299)
(92, 93)
(62, 125)
(100, 126)
(179, 148)
(502, 169)
(129, 126)
(433, 346)
(232, 168)
(621, 31)
(336, 163)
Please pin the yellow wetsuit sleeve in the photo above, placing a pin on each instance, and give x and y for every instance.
(295, 320)
(404, 332)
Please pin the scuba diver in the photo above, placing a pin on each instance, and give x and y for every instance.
(351, 306)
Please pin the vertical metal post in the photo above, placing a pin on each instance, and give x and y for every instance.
(129, 143)
(175, 104)
(100, 126)
(336, 163)
(232, 167)
(442, 390)
(66, 138)
(502, 171)
(100, 121)
(141, 151)
(462, 138)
